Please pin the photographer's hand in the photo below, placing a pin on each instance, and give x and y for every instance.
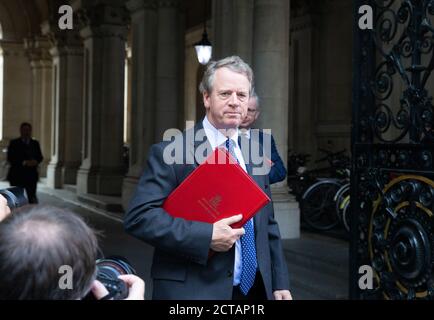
(4, 209)
(136, 287)
(98, 290)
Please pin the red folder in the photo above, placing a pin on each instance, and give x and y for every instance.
(218, 188)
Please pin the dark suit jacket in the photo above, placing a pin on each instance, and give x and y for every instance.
(278, 171)
(18, 152)
(181, 268)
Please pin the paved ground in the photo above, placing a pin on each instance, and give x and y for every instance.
(318, 265)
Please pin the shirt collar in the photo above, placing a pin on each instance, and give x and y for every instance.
(244, 132)
(215, 137)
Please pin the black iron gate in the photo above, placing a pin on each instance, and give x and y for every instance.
(392, 193)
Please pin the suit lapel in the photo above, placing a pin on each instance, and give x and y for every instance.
(191, 148)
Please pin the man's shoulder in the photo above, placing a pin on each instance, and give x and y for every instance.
(14, 142)
(175, 141)
(186, 136)
(259, 134)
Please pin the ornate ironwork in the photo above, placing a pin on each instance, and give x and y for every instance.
(393, 147)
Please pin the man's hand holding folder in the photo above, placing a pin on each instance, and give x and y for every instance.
(223, 236)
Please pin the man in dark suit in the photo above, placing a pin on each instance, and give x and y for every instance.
(277, 170)
(248, 262)
(24, 156)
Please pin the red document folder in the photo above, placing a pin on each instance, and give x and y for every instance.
(218, 188)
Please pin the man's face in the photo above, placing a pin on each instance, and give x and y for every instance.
(26, 132)
(252, 114)
(226, 105)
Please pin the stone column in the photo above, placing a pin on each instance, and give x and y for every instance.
(127, 95)
(270, 64)
(104, 31)
(46, 113)
(305, 82)
(169, 49)
(67, 88)
(41, 65)
(232, 29)
(143, 25)
(222, 30)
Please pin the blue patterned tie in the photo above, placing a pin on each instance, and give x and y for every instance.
(248, 247)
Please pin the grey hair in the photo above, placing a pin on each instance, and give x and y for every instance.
(233, 63)
(254, 95)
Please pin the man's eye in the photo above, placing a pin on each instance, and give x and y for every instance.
(242, 96)
(225, 94)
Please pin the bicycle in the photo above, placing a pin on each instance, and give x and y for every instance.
(318, 202)
(342, 200)
(299, 178)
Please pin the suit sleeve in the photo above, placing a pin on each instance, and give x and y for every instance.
(278, 171)
(13, 156)
(279, 268)
(146, 220)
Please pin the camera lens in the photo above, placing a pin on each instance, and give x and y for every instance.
(108, 271)
(15, 196)
(114, 266)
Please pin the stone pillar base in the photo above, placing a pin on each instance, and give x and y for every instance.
(69, 172)
(102, 183)
(54, 176)
(129, 186)
(287, 215)
(43, 168)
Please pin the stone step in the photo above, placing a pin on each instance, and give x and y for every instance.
(313, 252)
(107, 203)
(70, 187)
(312, 284)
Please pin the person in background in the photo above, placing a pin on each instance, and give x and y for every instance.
(277, 172)
(24, 156)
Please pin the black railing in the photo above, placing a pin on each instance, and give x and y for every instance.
(392, 187)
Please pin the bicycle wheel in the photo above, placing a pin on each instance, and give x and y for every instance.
(340, 196)
(346, 213)
(318, 205)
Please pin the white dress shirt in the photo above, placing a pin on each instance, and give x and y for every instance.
(217, 138)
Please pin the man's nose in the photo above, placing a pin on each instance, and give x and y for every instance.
(233, 100)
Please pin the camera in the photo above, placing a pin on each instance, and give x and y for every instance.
(15, 196)
(108, 271)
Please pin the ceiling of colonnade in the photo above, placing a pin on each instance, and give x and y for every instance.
(22, 18)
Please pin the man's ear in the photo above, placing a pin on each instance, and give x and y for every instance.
(206, 98)
(257, 114)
